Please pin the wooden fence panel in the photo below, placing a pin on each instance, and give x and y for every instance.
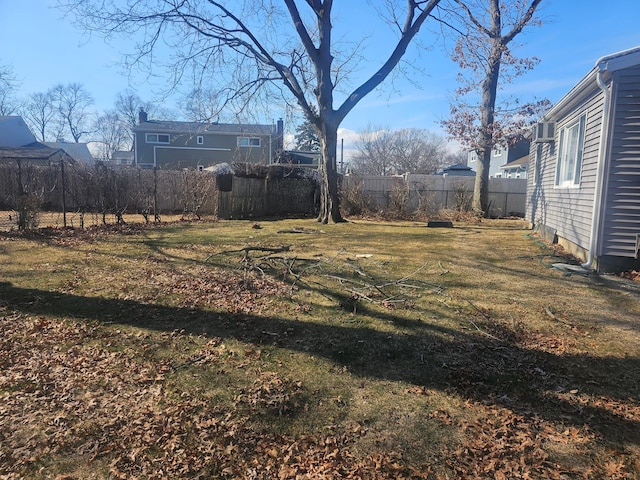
(258, 197)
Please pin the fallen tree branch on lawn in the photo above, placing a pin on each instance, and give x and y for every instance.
(246, 250)
(308, 231)
(358, 282)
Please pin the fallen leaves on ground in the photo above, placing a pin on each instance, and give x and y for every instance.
(75, 389)
(631, 275)
(65, 393)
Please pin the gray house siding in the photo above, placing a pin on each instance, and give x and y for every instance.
(566, 209)
(192, 145)
(622, 218)
(607, 239)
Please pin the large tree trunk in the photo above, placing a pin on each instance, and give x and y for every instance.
(487, 118)
(329, 194)
(480, 202)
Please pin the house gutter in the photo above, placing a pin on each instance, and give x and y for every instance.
(603, 166)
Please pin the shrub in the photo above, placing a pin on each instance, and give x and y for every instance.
(354, 201)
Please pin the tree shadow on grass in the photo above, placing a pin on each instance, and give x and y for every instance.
(527, 381)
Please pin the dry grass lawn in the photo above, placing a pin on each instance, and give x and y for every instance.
(286, 349)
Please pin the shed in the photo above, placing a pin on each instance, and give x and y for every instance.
(36, 155)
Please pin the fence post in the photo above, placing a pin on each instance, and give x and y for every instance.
(64, 199)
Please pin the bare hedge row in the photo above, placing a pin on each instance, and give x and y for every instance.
(99, 189)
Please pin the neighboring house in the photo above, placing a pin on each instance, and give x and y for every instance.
(500, 155)
(18, 144)
(78, 151)
(457, 170)
(14, 132)
(302, 158)
(178, 145)
(37, 155)
(123, 158)
(584, 181)
(516, 169)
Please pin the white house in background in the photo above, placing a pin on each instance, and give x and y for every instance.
(583, 186)
(500, 156)
(123, 158)
(516, 168)
(14, 132)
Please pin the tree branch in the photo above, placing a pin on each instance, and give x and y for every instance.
(411, 29)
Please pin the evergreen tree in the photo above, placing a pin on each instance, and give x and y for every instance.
(307, 138)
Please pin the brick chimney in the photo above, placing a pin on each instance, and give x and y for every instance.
(142, 116)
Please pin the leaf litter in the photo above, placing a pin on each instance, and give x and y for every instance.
(71, 389)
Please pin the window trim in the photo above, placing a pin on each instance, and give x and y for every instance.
(148, 138)
(566, 147)
(200, 140)
(249, 140)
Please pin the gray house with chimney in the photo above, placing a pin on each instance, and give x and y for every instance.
(175, 145)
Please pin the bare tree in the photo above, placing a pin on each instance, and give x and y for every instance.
(73, 102)
(8, 87)
(417, 151)
(259, 43)
(203, 105)
(126, 111)
(383, 152)
(454, 158)
(373, 152)
(127, 107)
(39, 112)
(478, 120)
(112, 134)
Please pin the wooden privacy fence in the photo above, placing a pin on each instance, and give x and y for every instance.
(260, 191)
(432, 193)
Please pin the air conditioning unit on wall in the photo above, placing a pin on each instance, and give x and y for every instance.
(544, 131)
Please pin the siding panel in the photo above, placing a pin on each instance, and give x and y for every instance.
(622, 218)
(567, 210)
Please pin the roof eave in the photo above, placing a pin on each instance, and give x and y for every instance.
(604, 66)
(581, 91)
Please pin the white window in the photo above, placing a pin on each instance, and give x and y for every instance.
(157, 138)
(200, 139)
(570, 154)
(497, 152)
(248, 141)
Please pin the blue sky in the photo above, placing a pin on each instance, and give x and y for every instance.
(45, 49)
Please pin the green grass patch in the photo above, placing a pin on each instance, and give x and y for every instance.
(271, 349)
